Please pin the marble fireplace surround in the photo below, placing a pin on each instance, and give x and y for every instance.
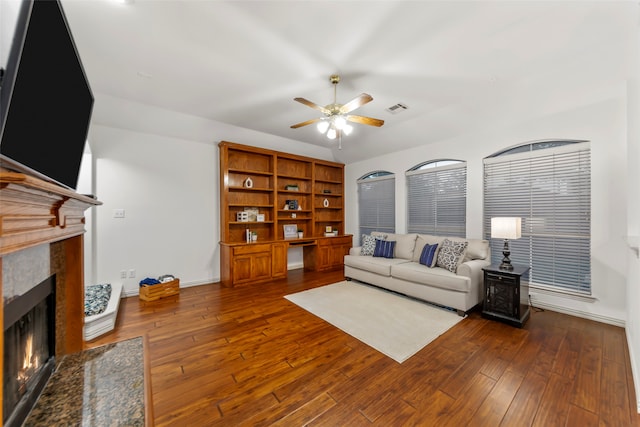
(41, 233)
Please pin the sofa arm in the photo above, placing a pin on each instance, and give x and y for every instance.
(355, 250)
(473, 270)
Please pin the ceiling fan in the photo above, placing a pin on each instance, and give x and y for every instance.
(334, 123)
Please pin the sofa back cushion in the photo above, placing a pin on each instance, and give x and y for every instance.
(476, 249)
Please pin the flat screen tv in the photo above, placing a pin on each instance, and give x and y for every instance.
(45, 97)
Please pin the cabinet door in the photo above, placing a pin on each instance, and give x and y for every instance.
(261, 266)
(241, 268)
(336, 256)
(251, 262)
(322, 257)
(279, 260)
(501, 295)
(331, 251)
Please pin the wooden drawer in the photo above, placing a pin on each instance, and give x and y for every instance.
(251, 248)
(504, 279)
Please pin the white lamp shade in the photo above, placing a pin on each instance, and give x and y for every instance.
(331, 133)
(323, 126)
(339, 122)
(506, 227)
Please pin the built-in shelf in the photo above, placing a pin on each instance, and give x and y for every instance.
(267, 180)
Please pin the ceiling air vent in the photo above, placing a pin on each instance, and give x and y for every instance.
(395, 109)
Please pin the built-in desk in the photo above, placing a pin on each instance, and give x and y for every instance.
(264, 261)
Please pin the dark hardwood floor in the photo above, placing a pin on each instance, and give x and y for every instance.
(247, 356)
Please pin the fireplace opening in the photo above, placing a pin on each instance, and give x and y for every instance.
(29, 350)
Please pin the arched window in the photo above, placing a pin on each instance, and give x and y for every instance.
(377, 202)
(548, 185)
(437, 198)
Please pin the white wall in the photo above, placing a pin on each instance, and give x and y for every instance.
(633, 217)
(603, 123)
(85, 186)
(162, 168)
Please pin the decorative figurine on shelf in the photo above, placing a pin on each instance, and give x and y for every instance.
(248, 183)
(325, 203)
(242, 216)
(254, 236)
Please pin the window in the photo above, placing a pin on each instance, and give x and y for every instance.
(437, 198)
(548, 185)
(377, 202)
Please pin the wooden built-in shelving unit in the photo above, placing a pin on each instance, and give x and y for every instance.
(264, 181)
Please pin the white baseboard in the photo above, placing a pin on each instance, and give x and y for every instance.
(136, 292)
(295, 265)
(537, 302)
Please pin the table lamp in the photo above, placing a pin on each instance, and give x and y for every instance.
(506, 228)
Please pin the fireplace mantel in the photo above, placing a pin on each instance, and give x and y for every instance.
(35, 212)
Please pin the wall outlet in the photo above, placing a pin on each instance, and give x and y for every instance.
(123, 274)
(132, 274)
(118, 213)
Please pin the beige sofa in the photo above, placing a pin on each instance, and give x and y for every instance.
(460, 290)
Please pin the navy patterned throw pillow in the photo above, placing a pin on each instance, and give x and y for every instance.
(428, 256)
(384, 248)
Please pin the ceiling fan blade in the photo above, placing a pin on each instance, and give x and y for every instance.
(365, 120)
(356, 102)
(308, 122)
(312, 105)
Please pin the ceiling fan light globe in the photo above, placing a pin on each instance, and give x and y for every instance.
(323, 126)
(347, 129)
(340, 122)
(331, 134)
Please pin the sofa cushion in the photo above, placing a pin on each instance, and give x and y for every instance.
(428, 256)
(384, 248)
(380, 235)
(380, 266)
(368, 245)
(436, 277)
(451, 254)
(405, 245)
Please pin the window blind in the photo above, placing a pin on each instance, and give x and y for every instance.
(437, 200)
(376, 204)
(551, 191)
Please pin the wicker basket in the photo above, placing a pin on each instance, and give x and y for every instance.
(160, 290)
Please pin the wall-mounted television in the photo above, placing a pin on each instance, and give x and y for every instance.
(45, 98)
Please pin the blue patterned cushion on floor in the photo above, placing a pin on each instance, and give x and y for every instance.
(96, 298)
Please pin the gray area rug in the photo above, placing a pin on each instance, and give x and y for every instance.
(395, 325)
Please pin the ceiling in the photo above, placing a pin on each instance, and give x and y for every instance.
(458, 66)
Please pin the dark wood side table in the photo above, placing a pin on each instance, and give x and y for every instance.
(502, 295)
